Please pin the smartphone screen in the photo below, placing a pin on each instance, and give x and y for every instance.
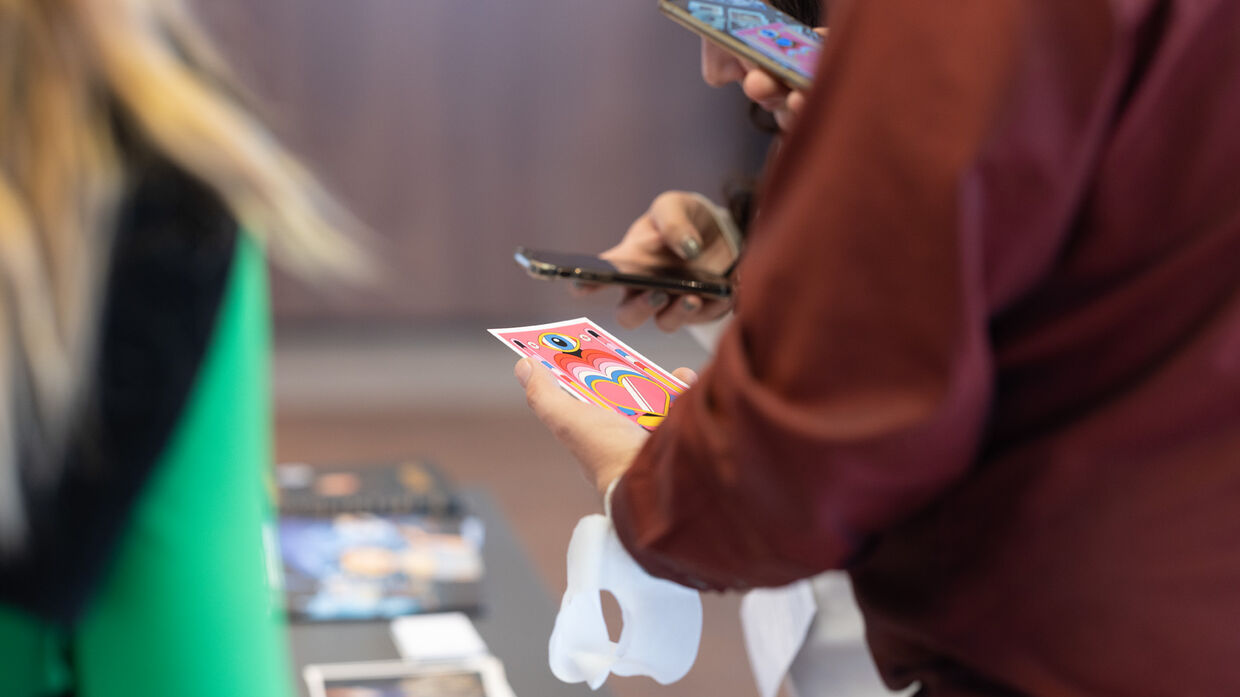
(546, 264)
(752, 24)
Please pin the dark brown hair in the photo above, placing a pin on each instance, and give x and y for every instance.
(808, 11)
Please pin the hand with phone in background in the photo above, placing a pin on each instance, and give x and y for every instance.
(771, 53)
(687, 229)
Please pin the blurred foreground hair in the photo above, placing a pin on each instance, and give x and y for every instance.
(70, 71)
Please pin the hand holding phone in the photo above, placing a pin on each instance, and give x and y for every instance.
(597, 270)
(681, 230)
(756, 32)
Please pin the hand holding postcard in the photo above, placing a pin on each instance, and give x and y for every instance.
(596, 367)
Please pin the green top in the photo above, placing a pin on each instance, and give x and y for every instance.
(190, 607)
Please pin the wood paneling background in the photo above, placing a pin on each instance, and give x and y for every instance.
(459, 129)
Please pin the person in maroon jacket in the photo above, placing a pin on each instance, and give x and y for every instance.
(986, 355)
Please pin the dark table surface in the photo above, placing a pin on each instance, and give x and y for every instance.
(515, 621)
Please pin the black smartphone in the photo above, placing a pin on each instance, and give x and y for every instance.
(753, 30)
(591, 269)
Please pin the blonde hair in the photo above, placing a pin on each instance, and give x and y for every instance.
(68, 69)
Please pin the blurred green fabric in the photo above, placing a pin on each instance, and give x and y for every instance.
(191, 606)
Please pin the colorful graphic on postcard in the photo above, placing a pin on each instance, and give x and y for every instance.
(596, 367)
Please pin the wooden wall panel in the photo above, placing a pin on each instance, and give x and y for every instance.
(459, 129)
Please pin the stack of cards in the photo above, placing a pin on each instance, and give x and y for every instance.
(443, 636)
(410, 486)
(596, 367)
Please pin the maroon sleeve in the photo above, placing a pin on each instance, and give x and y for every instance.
(931, 177)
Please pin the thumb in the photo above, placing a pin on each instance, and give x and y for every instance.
(543, 391)
(683, 222)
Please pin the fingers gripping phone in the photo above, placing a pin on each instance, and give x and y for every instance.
(753, 30)
(590, 269)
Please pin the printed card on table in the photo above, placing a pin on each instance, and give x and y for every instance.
(481, 676)
(596, 367)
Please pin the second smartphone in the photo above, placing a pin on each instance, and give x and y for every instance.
(755, 31)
